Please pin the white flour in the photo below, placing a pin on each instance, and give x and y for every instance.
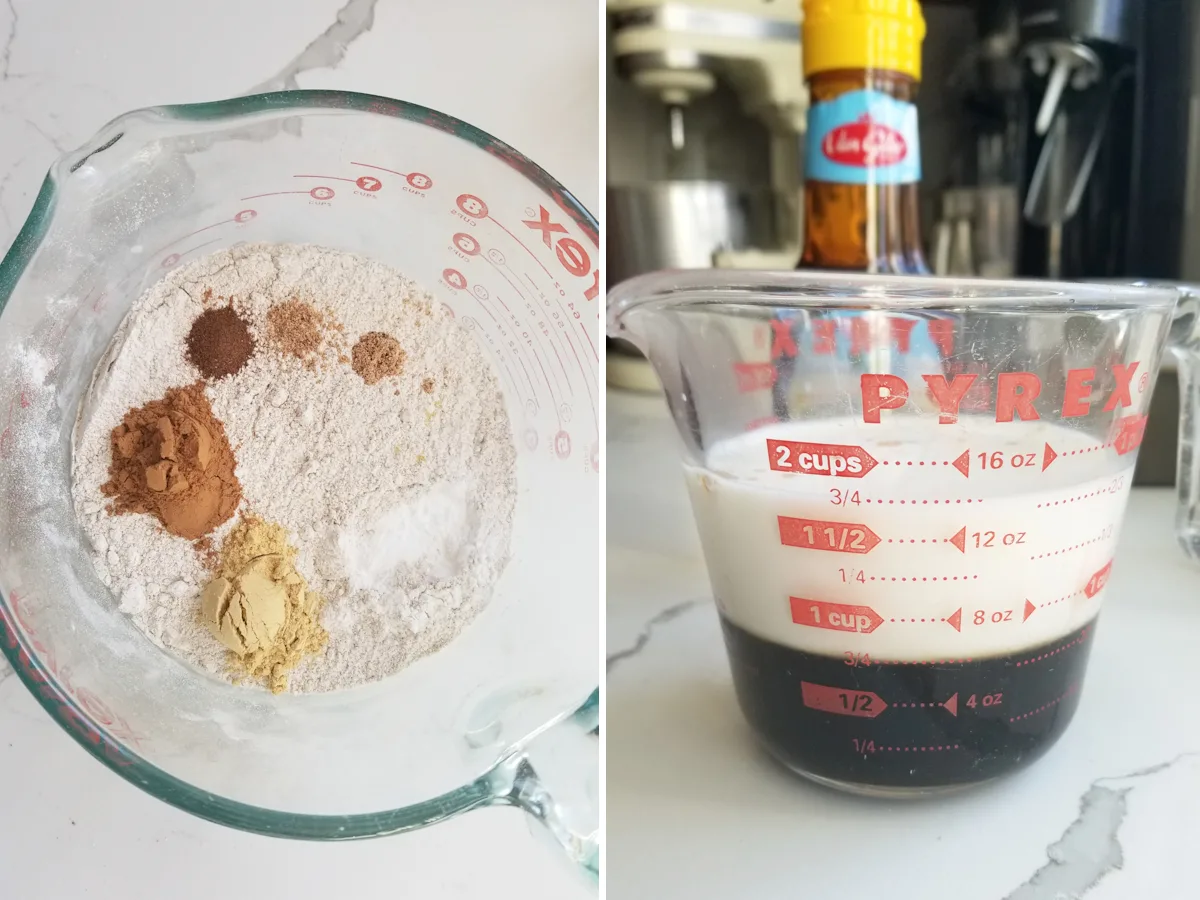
(399, 501)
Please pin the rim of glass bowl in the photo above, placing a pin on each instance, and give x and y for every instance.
(725, 288)
(71, 712)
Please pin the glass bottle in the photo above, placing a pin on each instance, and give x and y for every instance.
(862, 59)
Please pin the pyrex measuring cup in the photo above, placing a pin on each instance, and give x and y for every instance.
(514, 256)
(908, 492)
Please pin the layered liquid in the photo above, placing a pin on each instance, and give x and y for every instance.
(950, 584)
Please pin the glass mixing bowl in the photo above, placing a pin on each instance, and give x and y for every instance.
(505, 714)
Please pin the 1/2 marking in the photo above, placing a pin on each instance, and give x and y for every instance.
(840, 701)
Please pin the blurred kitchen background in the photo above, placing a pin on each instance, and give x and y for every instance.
(1054, 144)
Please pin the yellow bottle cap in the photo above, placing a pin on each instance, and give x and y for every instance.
(863, 34)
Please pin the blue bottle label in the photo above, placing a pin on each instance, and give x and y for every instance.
(863, 137)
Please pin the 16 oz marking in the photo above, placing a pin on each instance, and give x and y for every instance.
(995, 460)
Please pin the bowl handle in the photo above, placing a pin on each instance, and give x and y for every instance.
(555, 777)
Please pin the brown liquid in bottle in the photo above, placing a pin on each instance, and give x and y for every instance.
(862, 227)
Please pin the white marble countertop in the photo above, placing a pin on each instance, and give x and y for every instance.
(525, 70)
(696, 810)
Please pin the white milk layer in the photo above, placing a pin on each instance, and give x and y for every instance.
(1011, 555)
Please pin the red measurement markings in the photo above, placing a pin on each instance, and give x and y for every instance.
(325, 177)
(1057, 601)
(950, 705)
(1098, 580)
(833, 460)
(754, 376)
(958, 540)
(379, 168)
(1104, 492)
(516, 354)
(535, 313)
(316, 193)
(922, 662)
(954, 620)
(1102, 536)
(834, 616)
(884, 501)
(915, 578)
(933, 748)
(919, 463)
(841, 701)
(531, 347)
(1053, 703)
(1130, 431)
(570, 252)
(182, 237)
(589, 373)
(199, 246)
(820, 534)
(502, 362)
(1051, 653)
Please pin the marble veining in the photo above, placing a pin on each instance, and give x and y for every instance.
(667, 615)
(327, 50)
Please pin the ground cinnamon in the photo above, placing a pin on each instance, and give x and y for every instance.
(172, 460)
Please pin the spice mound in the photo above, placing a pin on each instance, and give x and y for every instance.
(219, 342)
(260, 607)
(297, 330)
(172, 460)
(377, 356)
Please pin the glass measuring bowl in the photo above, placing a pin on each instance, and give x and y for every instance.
(501, 715)
(908, 493)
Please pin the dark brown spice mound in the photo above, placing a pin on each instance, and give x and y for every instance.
(296, 329)
(377, 356)
(219, 342)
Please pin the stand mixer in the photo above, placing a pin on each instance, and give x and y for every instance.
(706, 111)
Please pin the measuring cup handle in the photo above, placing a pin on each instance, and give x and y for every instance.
(1187, 469)
(555, 777)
